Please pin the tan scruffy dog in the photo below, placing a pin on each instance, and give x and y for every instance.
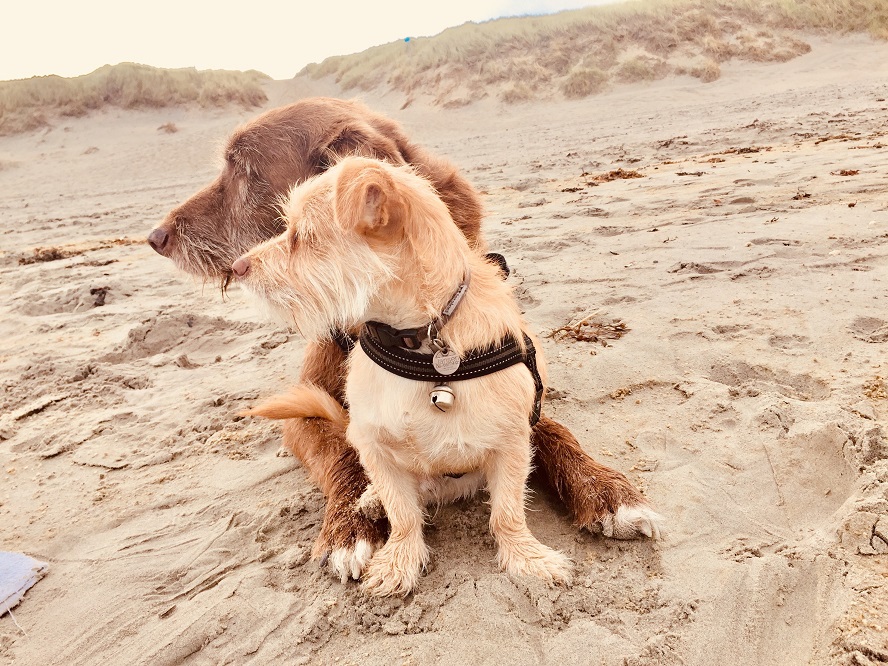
(370, 242)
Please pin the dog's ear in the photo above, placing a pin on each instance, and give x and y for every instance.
(241, 152)
(359, 139)
(368, 200)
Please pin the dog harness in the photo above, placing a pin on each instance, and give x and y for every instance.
(396, 350)
(477, 363)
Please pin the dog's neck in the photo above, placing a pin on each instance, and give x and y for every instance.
(487, 313)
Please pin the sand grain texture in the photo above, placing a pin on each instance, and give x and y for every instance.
(747, 398)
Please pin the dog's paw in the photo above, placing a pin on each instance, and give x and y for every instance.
(632, 522)
(347, 541)
(395, 570)
(349, 562)
(535, 559)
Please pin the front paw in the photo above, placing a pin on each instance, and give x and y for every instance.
(632, 522)
(348, 540)
(350, 561)
(535, 559)
(395, 569)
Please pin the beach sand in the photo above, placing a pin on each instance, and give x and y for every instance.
(748, 397)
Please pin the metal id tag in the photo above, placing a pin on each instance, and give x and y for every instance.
(446, 361)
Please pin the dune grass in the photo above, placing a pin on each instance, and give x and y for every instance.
(580, 52)
(29, 104)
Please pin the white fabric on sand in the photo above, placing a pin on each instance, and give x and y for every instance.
(18, 573)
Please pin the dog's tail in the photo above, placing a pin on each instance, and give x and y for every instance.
(303, 401)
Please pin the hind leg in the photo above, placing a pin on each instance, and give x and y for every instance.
(601, 499)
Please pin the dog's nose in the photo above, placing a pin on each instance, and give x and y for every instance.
(241, 267)
(158, 239)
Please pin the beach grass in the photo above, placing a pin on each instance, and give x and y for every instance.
(30, 104)
(581, 52)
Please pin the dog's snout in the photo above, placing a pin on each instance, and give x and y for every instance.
(158, 239)
(241, 267)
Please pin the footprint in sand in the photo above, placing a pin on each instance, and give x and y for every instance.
(869, 329)
(740, 374)
(193, 335)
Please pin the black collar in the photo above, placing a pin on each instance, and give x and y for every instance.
(412, 338)
(388, 336)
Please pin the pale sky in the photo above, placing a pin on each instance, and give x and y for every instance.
(73, 37)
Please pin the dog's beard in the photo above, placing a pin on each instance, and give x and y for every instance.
(272, 306)
(209, 257)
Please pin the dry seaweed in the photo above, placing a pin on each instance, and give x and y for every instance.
(54, 253)
(589, 329)
(616, 174)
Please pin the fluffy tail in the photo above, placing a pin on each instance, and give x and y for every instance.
(303, 401)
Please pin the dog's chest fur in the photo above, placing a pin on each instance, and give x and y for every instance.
(399, 414)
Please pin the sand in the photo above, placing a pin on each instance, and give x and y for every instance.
(747, 398)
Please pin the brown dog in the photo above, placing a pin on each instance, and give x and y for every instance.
(206, 234)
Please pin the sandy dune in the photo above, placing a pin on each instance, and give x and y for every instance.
(749, 263)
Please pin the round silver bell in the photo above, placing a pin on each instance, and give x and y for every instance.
(442, 397)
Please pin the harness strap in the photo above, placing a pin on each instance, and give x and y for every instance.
(343, 340)
(530, 360)
(389, 336)
(412, 365)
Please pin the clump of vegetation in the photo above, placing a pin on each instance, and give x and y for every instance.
(578, 52)
(55, 253)
(616, 174)
(876, 389)
(584, 81)
(591, 329)
(517, 92)
(41, 254)
(641, 68)
(28, 104)
(707, 71)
